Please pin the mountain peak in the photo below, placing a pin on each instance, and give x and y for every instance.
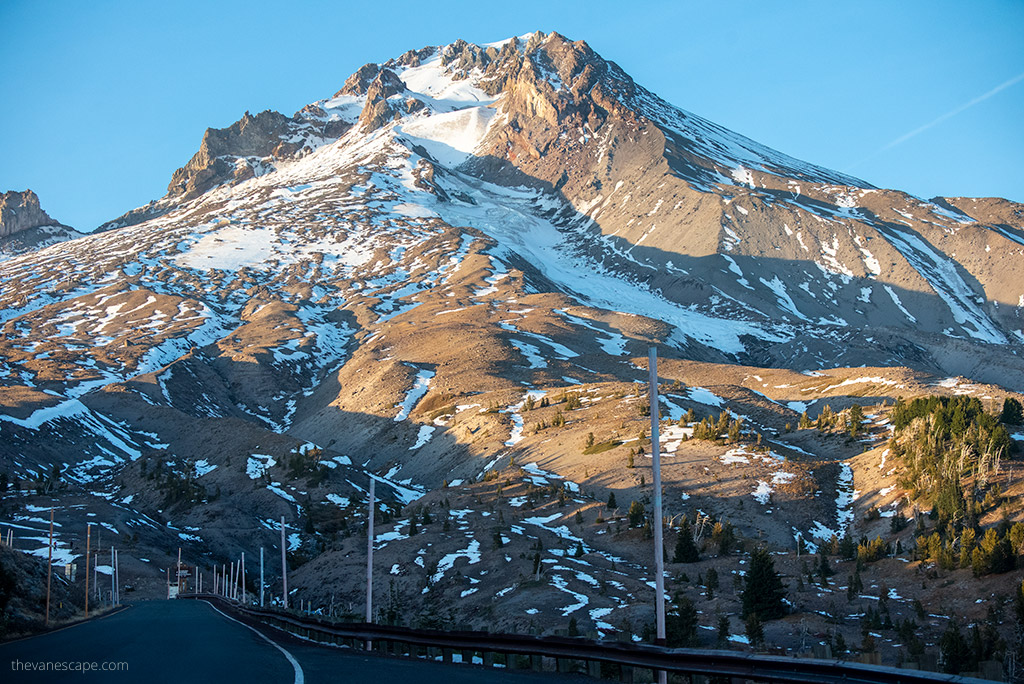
(25, 227)
(20, 211)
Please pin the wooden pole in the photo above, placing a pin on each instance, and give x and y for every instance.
(88, 538)
(178, 570)
(49, 571)
(167, 574)
(113, 579)
(659, 542)
(261, 577)
(284, 568)
(243, 577)
(117, 578)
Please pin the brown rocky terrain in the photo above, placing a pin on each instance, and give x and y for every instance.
(446, 277)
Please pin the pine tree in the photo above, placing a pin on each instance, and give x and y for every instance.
(686, 550)
(723, 630)
(854, 419)
(681, 623)
(1013, 412)
(824, 569)
(612, 503)
(847, 548)
(636, 514)
(763, 591)
(711, 582)
(755, 630)
(954, 649)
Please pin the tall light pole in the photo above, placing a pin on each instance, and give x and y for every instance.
(284, 568)
(88, 536)
(659, 541)
(49, 569)
(369, 556)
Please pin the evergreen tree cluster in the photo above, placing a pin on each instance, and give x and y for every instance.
(942, 442)
(712, 430)
(998, 550)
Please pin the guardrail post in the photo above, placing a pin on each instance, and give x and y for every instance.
(594, 668)
(537, 663)
(488, 658)
(446, 654)
(627, 674)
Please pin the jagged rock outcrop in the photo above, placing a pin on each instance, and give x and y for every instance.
(378, 109)
(20, 211)
(222, 154)
(250, 147)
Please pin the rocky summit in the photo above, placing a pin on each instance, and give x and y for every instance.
(446, 278)
(24, 226)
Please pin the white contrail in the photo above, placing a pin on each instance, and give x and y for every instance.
(907, 136)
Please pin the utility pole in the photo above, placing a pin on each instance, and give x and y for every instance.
(88, 536)
(243, 577)
(177, 570)
(284, 568)
(117, 577)
(659, 542)
(369, 561)
(261, 577)
(49, 570)
(113, 578)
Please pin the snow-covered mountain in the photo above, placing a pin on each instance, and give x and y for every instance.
(388, 280)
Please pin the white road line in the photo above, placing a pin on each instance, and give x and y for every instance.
(300, 678)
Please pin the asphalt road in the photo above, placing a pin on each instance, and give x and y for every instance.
(189, 641)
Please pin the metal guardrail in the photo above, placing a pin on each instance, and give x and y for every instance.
(706, 662)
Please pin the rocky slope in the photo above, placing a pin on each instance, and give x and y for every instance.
(391, 282)
(24, 226)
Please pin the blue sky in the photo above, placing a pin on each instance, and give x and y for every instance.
(103, 100)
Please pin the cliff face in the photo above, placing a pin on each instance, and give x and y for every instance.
(20, 211)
